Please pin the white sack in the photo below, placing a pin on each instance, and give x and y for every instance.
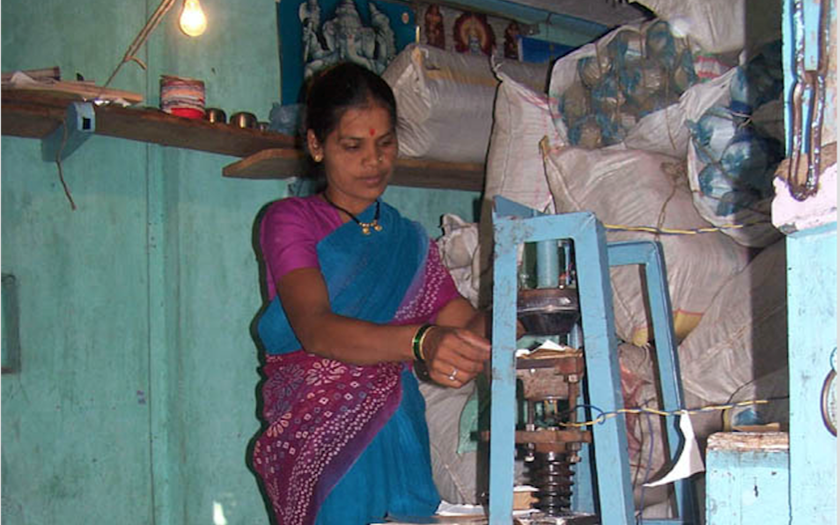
(637, 188)
(632, 86)
(743, 335)
(731, 162)
(569, 84)
(445, 101)
(515, 170)
(721, 26)
(456, 476)
(458, 247)
(664, 131)
(521, 118)
(564, 72)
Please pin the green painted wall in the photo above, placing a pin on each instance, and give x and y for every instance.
(135, 401)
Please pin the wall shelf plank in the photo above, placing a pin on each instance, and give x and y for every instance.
(263, 154)
(35, 114)
(281, 163)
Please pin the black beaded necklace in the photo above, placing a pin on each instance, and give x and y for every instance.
(365, 226)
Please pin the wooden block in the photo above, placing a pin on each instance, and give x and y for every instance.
(524, 499)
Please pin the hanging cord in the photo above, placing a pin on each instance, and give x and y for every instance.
(660, 230)
(648, 468)
(671, 138)
(648, 465)
(638, 465)
(58, 163)
(674, 175)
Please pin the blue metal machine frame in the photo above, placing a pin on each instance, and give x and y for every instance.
(514, 225)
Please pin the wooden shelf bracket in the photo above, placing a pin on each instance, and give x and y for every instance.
(78, 125)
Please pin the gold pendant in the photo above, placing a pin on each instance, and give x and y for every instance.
(366, 226)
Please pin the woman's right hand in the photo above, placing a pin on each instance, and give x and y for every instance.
(454, 356)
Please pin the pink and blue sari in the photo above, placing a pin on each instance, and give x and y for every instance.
(347, 444)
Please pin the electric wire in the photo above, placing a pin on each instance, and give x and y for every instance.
(58, 164)
(676, 231)
(604, 416)
(648, 413)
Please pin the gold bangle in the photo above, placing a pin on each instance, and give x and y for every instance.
(422, 339)
(417, 342)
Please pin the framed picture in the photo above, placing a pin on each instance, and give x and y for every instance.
(315, 34)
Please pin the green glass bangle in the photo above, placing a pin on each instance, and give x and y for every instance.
(417, 342)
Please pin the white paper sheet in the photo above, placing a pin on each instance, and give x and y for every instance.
(548, 344)
(689, 461)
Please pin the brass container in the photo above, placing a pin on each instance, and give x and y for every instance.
(215, 115)
(243, 119)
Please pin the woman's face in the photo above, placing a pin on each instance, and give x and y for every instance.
(358, 156)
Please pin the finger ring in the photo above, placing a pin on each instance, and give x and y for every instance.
(454, 374)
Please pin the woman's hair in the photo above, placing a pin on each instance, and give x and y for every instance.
(342, 87)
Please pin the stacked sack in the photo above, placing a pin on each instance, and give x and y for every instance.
(521, 119)
(640, 188)
(445, 101)
(642, 91)
(622, 78)
(657, 127)
(642, 87)
(736, 145)
(700, 151)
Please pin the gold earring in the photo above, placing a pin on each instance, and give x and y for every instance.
(317, 157)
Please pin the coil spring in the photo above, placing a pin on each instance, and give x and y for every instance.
(551, 473)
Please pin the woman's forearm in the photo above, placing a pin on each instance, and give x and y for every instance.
(354, 341)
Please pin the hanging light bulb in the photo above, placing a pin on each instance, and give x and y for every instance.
(193, 22)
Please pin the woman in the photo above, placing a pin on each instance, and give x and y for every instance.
(356, 294)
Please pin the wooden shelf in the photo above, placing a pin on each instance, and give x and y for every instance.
(265, 154)
(34, 114)
(281, 163)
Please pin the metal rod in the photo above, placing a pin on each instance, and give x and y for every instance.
(548, 264)
(142, 36)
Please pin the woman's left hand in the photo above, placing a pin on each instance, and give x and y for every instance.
(454, 356)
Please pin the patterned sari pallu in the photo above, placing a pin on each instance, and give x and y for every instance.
(322, 413)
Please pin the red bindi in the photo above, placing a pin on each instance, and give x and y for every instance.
(372, 132)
